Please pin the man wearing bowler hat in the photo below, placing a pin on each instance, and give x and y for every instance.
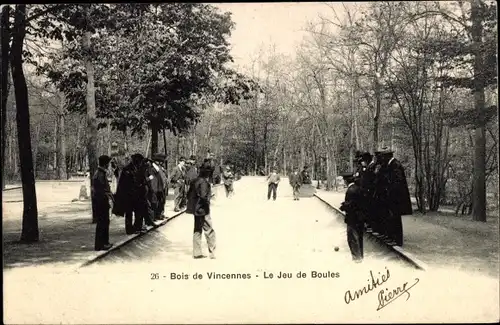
(102, 200)
(158, 185)
(366, 178)
(354, 216)
(398, 195)
(191, 175)
(199, 205)
(178, 181)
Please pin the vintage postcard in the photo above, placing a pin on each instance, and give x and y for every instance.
(250, 163)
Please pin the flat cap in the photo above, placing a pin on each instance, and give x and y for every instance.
(192, 157)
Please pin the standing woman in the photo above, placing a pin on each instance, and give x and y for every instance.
(199, 205)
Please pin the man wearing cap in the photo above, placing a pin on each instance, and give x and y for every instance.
(273, 181)
(199, 205)
(158, 184)
(398, 195)
(306, 179)
(211, 162)
(380, 197)
(295, 182)
(354, 216)
(190, 176)
(228, 179)
(102, 200)
(366, 177)
(178, 180)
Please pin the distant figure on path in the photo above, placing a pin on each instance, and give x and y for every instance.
(354, 216)
(272, 187)
(199, 205)
(295, 182)
(228, 179)
(178, 180)
(306, 178)
(102, 200)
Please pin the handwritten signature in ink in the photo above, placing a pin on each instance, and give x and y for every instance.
(385, 297)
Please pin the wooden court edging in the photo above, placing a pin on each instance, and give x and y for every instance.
(408, 257)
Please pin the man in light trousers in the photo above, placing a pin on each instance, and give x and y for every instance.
(198, 204)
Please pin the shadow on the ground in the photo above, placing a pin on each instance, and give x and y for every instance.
(152, 244)
(66, 236)
(56, 245)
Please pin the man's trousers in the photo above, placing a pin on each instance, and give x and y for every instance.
(203, 224)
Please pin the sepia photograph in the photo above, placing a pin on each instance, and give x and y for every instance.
(250, 162)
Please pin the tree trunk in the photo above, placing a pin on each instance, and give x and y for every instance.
(194, 144)
(126, 142)
(154, 138)
(351, 148)
(61, 145)
(91, 111)
(165, 142)
(479, 187)
(109, 136)
(264, 151)
(284, 160)
(302, 156)
(376, 116)
(54, 144)
(77, 149)
(4, 77)
(29, 231)
(177, 154)
(35, 154)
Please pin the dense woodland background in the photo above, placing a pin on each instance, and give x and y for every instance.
(420, 77)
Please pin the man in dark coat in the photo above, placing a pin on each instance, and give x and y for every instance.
(295, 182)
(210, 159)
(354, 216)
(306, 178)
(132, 196)
(398, 196)
(365, 177)
(102, 200)
(158, 184)
(199, 205)
(190, 176)
(178, 181)
(380, 211)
